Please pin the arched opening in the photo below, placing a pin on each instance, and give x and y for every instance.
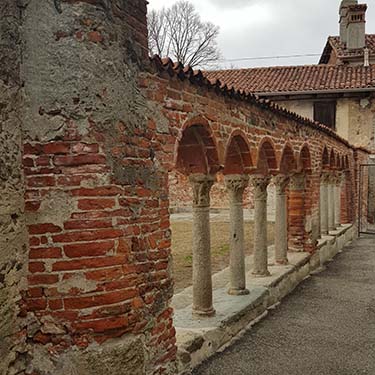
(196, 151)
(237, 157)
(305, 159)
(288, 162)
(267, 161)
(325, 158)
(332, 159)
(196, 156)
(338, 162)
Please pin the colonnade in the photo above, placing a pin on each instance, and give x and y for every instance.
(330, 201)
(236, 185)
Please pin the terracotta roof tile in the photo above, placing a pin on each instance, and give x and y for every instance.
(296, 78)
(198, 78)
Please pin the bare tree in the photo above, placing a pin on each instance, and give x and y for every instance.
(178, 32)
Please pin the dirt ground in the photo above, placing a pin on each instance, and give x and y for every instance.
(182, 253)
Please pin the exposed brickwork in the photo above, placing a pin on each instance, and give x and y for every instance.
(102, 144)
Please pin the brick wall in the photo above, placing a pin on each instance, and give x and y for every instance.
(183, 104)
(99, 281)
(102, 131)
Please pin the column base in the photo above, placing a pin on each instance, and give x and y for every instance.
(238, 292)
(204, 312)
(261, 273)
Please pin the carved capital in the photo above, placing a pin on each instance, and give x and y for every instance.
(325, 178)
(201, 189)
(281, 182)
(339, 178)
(260, 184)
(236, 184)
(297, 181)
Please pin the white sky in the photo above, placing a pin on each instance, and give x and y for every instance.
(257, 28)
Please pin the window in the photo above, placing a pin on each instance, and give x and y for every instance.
(325, 113)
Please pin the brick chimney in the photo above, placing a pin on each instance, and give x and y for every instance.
(344, 7)
(356, 26)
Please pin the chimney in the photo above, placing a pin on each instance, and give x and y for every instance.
(356, 26)
(344, 7)
(366, 62)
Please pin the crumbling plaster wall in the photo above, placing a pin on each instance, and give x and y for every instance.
(12, 226)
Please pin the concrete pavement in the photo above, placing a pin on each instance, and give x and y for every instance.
(325, 327)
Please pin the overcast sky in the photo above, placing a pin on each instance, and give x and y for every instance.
(257, 28)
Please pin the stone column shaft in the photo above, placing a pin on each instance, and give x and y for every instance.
(202, 278)
(324, 208)
(236, 185)
(331, 204)
(260, 184)
(281, 220)
(338, 202)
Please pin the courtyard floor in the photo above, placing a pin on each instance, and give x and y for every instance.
(325, 327)
(182, 239)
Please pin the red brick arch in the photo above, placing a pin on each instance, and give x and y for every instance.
(304, 160)
(196, 150)
(237, 154)
(325, 158)
(266, 157)
(288, 163)
(332, 159)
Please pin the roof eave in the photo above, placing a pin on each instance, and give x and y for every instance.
(310, 92)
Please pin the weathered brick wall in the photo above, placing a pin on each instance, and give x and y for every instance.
(182, 104)
(96, 202)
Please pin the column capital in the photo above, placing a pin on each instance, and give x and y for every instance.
(325, 177)
(236, 184)
(281, 182)
(297, 181)
(201, 184)
(340, 177)
(260, 184)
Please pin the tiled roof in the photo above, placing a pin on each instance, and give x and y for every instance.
(342, 52)
(286, 79)
(167, 67)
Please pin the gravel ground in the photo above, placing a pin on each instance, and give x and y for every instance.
(325, 327)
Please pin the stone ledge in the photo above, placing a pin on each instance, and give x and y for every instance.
(198, 338)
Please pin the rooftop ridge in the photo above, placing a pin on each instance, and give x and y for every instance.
(196, 77)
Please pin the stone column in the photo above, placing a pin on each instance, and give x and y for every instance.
(236, 185)
(324, 204)
(296, 213)
(331, 203)
(202, 278)
(260, 184)
(281, 220)
(338, 182)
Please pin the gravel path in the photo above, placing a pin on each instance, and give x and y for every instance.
(325, 327)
